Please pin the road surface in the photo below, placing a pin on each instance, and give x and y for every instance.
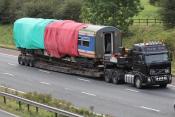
(116, 100)
(6, 114)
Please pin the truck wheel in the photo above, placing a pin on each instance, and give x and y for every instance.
(163, 85)
(26, 62)
(138, 83)
(31, 63)
(107, 76)
(115, 77)
(22, 60)
(19, 60)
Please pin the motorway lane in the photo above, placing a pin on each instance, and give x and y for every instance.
(6, 114)
(121, 100)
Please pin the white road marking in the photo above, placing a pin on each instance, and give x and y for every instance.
(45, 83)
(8, 113)
(8, 55)
(68, 89)
(11, 64)
(151, 109)
(172, 86)
(44, 71)
(132, 90)
(88, 93)
(9, 74)
(13, 89)
(83, 80)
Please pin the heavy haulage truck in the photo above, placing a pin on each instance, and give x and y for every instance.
(90, 50)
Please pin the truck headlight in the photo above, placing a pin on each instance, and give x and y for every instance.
(167, 71)
(149, 79)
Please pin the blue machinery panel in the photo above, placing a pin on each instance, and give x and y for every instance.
(91, 40)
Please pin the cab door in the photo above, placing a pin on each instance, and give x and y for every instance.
(108, 44)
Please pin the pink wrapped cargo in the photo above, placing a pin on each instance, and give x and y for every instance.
(61, 38)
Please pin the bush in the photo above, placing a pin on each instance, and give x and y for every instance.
(168, 13)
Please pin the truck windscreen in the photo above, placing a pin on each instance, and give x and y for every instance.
(153, 58)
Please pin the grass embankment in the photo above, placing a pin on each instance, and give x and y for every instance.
(13, 106)
(6, 36)
(149, 11)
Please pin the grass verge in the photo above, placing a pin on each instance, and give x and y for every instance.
(6, 39)
(13, 106)
(149, 11)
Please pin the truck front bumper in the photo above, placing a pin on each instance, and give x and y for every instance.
(158, 80)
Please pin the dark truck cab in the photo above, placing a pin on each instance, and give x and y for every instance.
(150, 65)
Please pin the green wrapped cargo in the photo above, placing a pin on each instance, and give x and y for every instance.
(29, 32)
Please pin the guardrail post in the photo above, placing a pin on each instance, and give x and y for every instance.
(155, 21)
(20, 105)
(28, 107)
(56, 115)
(5, 101)
(37, 109)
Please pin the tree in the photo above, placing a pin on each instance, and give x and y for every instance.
(71, 9)
(39, 8)
(154, 2)
(168, 13)
(117, 13)
(4, 10)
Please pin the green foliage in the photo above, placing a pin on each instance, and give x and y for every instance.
(4, 10)
(149, 11)
(71, 10)
(57, 9)
(168, 13)
(154, 2)
(117, 13)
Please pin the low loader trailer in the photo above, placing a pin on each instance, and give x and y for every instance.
(91, 50)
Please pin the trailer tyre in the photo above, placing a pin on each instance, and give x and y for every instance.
(115, 77)
(31, 63)
(26, 62)
(107, 76)
(138, 83)
(20, 60)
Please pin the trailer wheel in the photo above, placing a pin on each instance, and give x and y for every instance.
(163, 85)
(115, 77)
(31, 63)
(20, 59)
(107, 76)
(26, 61)
(138, 83)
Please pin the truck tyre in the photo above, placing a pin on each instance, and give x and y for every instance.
(26, 61)
(115, 77)
(20, 59)
(107, 76)
(30, 63)
(138, 83)
(163, 85)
